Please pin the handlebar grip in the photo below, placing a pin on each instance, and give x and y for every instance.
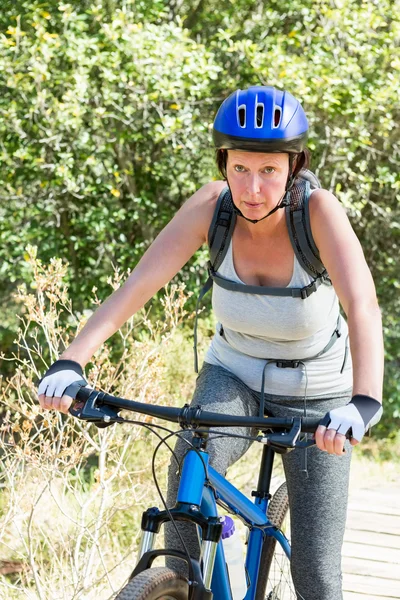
(310, 424)
(83, 394)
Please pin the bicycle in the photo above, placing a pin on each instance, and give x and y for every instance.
(201, 489)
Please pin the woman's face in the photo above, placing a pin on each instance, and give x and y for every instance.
(257, 180)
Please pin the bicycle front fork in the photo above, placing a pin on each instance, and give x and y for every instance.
(147, 543)
(207, 554)
(211, 529)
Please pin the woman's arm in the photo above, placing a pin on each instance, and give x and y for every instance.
(178, 241)
(344, 260)
(169, 252)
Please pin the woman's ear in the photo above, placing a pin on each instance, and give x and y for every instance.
(299, 161)
(221, 158)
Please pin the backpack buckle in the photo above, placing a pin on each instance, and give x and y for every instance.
(306, 291)
(224, 219)
(284, 364)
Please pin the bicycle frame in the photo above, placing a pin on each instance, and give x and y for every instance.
(201, 487)
(201, 490)
(254, 514)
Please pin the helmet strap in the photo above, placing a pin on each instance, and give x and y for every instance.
(284, 201)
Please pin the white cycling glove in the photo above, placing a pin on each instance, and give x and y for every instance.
(63, 377)
(361, 413)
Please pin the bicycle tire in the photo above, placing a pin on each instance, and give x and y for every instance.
(159, 583)
(278, 511)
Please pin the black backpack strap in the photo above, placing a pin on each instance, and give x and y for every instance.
(207, 286)
(299, 227)
(221, 228)
(292, 292)
(311, 178)
(219, 236)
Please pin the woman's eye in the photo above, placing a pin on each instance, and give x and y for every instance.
(241, 169)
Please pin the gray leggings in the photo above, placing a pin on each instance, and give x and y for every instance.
(318, 500)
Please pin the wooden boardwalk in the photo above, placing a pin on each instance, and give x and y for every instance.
(371, 552)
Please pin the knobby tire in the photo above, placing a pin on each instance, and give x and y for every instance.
(162, 583)
(277, 512)
(159, 583)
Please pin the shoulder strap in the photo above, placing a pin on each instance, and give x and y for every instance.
(299, 226)
(221, 228)
(219, 235)
(311, 178)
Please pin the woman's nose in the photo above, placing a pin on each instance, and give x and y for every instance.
(253, 183)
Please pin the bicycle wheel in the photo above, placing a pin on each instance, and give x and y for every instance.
(159, 583)
(274, 579)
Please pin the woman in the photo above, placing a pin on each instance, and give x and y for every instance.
(260, 135)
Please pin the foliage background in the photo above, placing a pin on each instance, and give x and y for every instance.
(105, 119)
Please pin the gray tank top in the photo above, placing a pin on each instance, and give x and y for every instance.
(252, 328)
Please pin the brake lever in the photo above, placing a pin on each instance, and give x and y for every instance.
(284, 439)
(305, 443)
(87, 410)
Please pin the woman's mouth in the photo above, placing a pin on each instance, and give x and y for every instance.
(253, 204)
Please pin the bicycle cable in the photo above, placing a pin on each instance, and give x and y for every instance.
(149, 427)
(304, 461)
(178, 434)
(216, 434)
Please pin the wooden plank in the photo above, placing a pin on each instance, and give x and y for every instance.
(370, 552)
(355, 596)
(370, 507)
(375, 586)
(376, 500)
(371, 569)
(372, 538)
(371, 549)
(373, 522)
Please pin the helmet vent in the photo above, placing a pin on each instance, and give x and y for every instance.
(242, 115)
(277, 116)
(259, 116)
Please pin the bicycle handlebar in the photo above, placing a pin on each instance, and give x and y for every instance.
(99, 407)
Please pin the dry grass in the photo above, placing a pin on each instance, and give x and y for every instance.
(72, 495)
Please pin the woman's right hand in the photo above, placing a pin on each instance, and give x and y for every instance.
(60, 384)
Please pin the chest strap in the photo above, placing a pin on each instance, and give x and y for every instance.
(292, 292)
(233, 286)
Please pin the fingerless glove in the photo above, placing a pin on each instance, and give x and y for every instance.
(63, 377)
(359, 415)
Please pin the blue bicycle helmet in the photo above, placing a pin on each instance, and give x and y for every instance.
(261, 119)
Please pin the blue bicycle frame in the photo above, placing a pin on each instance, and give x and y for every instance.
(201, 486)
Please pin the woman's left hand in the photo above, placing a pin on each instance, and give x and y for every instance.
(329, 440)
(356, 417)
